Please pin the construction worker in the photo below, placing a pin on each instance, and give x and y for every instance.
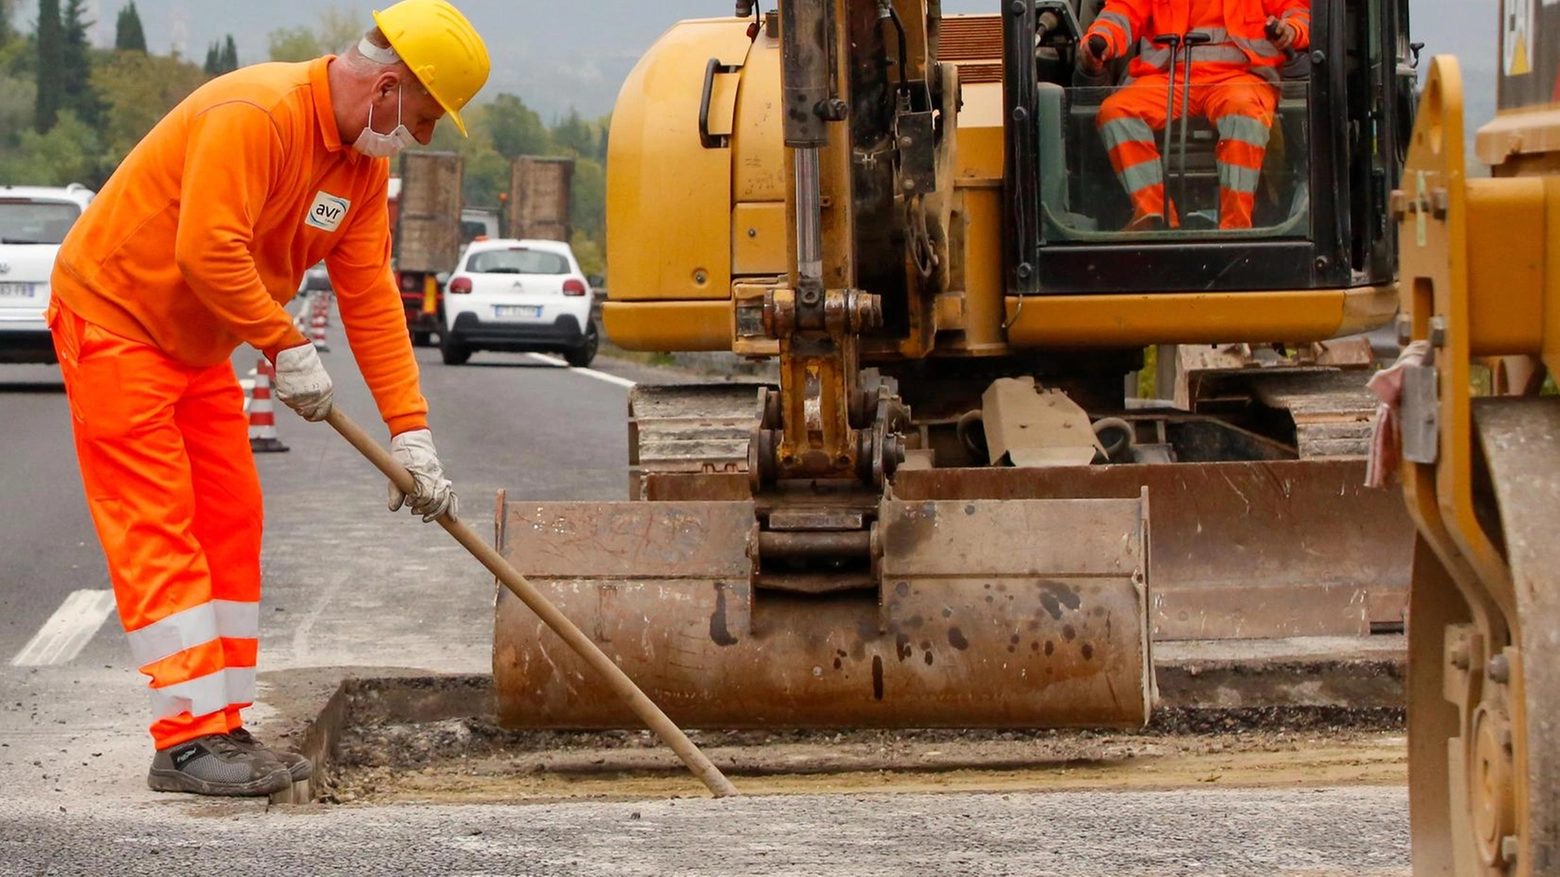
(1232, 85)
(194, 246)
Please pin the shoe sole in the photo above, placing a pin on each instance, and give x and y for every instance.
(169, 780)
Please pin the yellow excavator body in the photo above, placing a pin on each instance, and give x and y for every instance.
(944, 508)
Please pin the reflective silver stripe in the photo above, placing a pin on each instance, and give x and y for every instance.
(236, 620)
(1118, 20)
(204, 695)
(1142, 175)
(1262, 48)
(1237, 177)
(1243, 128)
(1154, 56)
(1223, 53)
(1296, 13)
(1127, 130)
(191, 627)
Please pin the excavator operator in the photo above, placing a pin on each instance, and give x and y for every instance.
(1230, 53)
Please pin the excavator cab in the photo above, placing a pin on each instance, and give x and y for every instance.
(1320, 213)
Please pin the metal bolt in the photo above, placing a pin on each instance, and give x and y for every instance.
(1438, 331)
(1397, 203)
(1405, 330)
(752, 232)
(1458, 655)
(1440, 202)
(908, 185)
(906, 141)
(1498, 669)
(1509, 846)
(699, 277)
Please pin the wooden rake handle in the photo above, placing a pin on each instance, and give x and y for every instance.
(636, 699)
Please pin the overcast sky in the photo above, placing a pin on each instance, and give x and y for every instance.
(557, 54)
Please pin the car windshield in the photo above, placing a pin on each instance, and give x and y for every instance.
(517, 261)
(36, 222)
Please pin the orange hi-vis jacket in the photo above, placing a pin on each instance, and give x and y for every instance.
(204, 232)
(1236, 26)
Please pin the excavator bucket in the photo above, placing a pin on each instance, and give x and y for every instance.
(977, 613)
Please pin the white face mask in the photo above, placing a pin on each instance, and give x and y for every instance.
(376, 145)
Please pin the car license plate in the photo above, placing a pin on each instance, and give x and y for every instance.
(529, 311)
(16, 290)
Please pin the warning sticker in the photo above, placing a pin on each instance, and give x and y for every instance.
(1517, 44)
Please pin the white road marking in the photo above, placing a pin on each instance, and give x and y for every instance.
(600, 376)
(68, 630)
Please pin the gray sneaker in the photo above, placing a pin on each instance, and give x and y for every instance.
(215, 765)
(297, 765)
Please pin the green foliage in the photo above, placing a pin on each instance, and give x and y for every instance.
(221, 59)
(137, 91)
(573, 136)
(76, 69)
(588, 199)
(340, 28)
(18, 97)
(293, 44)
(516, 128)
(128, 34)
(51, 58)
(68, 153)
(6, 32)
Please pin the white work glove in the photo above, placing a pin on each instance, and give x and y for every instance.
(301, 382)
(434, 496)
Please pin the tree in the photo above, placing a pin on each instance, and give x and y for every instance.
(221, 59)
(75, 70)
(340, 28)
(128, 34)
(516, 129)
(67, 153)
(293, 44)
(5, 21)
(573, 134)
(51, 58)
(138, 90)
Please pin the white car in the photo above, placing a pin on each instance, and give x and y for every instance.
(518, 295)
(33, 222)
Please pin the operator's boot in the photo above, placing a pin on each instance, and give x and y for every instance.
(299, 767)
(215, 765)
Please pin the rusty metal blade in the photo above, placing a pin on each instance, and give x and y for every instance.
(1241, 549)
(1039, 622)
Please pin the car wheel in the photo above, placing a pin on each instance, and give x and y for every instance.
(452, 351)
(581, 356)
(421, 339)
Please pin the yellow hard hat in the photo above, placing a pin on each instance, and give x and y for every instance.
(441, 48)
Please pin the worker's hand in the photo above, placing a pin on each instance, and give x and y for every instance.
(414, 450)
(1096, 50)
(301, 382)
(1282, 33)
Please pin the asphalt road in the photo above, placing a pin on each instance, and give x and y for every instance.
(351, 588)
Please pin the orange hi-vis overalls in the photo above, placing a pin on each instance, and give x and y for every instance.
(194, 246)
(1232, 86)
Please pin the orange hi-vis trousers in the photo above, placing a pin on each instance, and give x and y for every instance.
(175, 497)
(1240, 105)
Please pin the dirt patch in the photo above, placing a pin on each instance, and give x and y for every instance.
(410, 741)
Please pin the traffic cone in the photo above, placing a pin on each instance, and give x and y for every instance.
(262, 416)
(319, 319)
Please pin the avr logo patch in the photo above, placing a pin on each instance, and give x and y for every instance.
(327, 211)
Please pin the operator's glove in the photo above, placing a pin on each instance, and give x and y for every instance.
(414, 450)
(1095, 52)
(301, 382)
(1282, 33)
